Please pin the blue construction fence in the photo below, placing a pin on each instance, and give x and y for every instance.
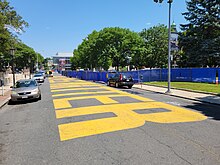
(206, 75)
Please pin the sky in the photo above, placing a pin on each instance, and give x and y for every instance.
(61, 25)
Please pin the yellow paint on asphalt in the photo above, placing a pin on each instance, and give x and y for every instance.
(74, 89)
(70, 85)
(82, 93)
(106, 99)
(126, 117)
(73, 86)
(59, 103)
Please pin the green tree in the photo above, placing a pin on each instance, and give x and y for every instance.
(118, 45)
(45, 63)
(25, 56)
(9, 21)
(108, 47)
(200, 39)
(156, 46)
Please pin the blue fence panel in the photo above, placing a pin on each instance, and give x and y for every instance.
(68, 73)
(207, 75)
(103, 76)
(89, 75)
(79, 75)
(74, 74)
(218, 70)
(164, 74)
(145, 74)
(181, 74)
(177, 74)
(84, 75)
(133, 74)
(94, 76)
(98, 76)
(155, 75)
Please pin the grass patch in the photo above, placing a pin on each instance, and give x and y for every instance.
(202, 87)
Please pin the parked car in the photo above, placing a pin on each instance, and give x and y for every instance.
(39, 77)
(49, 74)
(42, 72)
(26, 89)
(119, 80)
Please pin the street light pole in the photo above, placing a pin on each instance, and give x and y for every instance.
(12, 52)
(37, 63)
(29, 62)
(169, 56)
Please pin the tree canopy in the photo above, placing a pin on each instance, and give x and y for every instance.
(200, 39)
(12, 24)
(109, 47)
(156, 44)
(25, 56)
(120, 47)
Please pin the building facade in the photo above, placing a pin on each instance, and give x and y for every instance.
(61, 61)
(174, 45)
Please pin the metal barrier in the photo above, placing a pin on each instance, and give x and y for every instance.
(207, 75)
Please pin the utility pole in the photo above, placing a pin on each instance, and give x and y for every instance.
(37, 62)
(169, 56)
(169, 33)
(29, 62)
(12, 52)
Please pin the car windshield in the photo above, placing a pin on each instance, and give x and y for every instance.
(38, 75)
(21, 84)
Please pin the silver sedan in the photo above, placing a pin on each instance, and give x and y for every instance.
(39, 77)
(26, 89)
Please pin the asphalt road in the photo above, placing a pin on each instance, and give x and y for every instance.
(79, 122)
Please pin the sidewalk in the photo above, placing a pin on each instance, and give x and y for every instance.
(6, 95)
(4, 99)
(202, 97)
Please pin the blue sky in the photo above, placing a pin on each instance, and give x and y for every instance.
(60, 25)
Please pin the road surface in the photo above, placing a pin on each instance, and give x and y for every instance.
(81, 122)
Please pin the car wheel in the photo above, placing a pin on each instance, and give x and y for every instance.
(39, 97)
(108, 84)
(10, 102)
(116, 85)
(130, 86)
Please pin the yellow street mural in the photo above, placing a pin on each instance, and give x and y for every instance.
(126, 116)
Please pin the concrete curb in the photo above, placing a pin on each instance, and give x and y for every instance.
(6, 101)
(182, 89)
(170, 94)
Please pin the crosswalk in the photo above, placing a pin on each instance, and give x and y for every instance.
(73, 98)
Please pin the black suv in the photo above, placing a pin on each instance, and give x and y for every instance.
(119, 80)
